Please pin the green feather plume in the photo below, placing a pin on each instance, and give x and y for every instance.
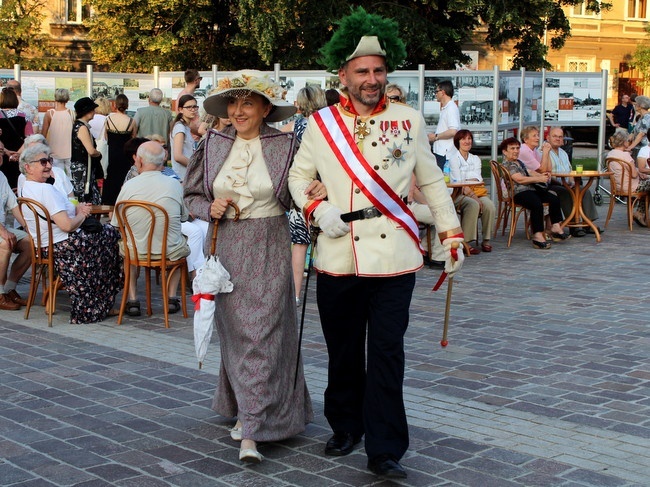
(350, 30)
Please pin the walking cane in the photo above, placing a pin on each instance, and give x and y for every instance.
(314, 237)
(445, 328)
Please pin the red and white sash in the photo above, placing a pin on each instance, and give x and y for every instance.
(381, 195)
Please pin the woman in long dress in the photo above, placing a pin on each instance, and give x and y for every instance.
(247, 164)
(118, 129)
(84, 155)
(88, 263)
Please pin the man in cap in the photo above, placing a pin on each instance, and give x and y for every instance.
(365, 151)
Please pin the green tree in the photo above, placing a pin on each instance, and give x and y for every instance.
(173, 35)
(21, 38)
(641, 58)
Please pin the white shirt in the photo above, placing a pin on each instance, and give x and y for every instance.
(55, 202)
(449, 119)
(188, 147)
(61, 182)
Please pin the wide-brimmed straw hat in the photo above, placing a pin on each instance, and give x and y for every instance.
(241, 85)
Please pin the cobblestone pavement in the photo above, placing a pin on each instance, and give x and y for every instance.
(545, 382)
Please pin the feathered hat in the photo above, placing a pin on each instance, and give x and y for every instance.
(363, 34)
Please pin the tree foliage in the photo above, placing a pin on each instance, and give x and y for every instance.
(641, 57)
(135, 35)
(21, 38)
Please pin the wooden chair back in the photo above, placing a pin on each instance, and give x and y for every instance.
(43, 268)
(623, 188)
(148, 253)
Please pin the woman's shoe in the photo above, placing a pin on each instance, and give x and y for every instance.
(250, 455)
(235, 433)
(133, 308)
(639, 219)
(541, 245)
(559, 237)
(486, 247)
(174, 305)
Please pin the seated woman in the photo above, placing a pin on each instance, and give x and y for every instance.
(530, 192)
(466, 166)
(640, 179)
(88, 263)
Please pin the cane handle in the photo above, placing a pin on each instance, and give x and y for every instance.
(215, 229)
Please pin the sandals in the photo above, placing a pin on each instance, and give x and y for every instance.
(174, 305)
(133, 308)
(486, 247)
(559, 236)
(541, 245)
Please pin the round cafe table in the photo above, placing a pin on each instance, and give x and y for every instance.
(577, 217)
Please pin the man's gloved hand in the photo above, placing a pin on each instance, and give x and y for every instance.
(454, 257)
(331, 224)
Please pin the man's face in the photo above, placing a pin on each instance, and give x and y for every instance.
(365, 79)
(556, 138)
(625, 99)
(439, 94)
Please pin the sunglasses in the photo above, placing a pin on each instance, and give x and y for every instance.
(393, 98)
(191, 107)
(43, 160)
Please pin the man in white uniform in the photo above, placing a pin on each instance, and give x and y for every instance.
(365, 151)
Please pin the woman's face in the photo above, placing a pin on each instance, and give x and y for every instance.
(511, 153)
(465, 144)
(190, 109)
(39, 168)
(532, 140)
(247, 114)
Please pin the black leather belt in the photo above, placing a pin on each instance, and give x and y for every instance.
(366, 213)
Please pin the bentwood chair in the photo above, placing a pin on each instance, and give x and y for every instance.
(503, 208)
(42, 257)
(138, 255)
(624, 191)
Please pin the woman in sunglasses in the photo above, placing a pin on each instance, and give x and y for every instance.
(182, 143)
(88, 263)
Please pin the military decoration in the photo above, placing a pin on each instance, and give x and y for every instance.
(397, 153)
(361, 129)
(394, 128)
(406, 125)
(384, 125)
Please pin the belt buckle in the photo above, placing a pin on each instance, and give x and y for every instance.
(370, 212)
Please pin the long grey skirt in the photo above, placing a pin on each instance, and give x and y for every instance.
(258, 332)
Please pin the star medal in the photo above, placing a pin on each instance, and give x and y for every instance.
(406, 125)
(384, 125)
(361, 130)
(394, 128)
(397, 153)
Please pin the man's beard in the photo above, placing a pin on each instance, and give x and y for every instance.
(368, 101)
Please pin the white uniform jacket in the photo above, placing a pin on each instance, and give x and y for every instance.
(375, 246)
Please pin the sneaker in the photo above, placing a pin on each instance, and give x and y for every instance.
(7, 304)
(15, 297)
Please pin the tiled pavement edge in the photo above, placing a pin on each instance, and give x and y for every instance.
(546, 381)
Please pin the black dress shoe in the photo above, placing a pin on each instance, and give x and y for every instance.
(436, 264)
(385, 466)
(578, 232)
(591, 230)
(341, 444)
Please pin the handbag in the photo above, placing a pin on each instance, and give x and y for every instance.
(20, 137)
(91, 225)
(480, 190)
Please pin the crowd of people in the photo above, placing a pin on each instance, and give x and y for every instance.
(357, 164)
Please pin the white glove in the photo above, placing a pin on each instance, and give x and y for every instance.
(331, 224)
(453, 257)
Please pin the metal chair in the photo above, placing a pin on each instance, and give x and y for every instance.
(137, 256)
(624, 190)
(42, 259)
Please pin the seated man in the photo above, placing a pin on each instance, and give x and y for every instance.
(560, 163)
(151, 185)
(15, 241)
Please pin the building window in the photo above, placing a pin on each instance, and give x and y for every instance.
(637, 9)
(579, 66)
(76, 11)
(581, 10)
